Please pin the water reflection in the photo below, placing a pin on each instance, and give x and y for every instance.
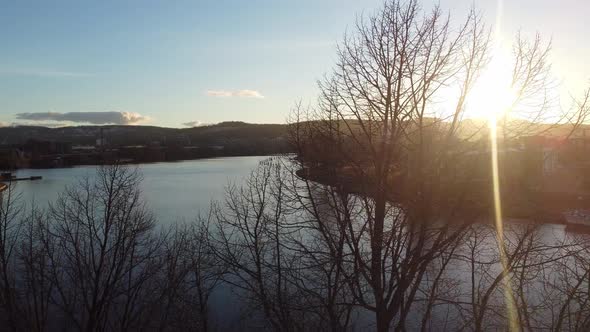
(174, 191)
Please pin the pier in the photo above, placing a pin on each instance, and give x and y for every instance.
(8, 177)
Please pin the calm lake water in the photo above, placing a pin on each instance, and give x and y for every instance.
(176, 191)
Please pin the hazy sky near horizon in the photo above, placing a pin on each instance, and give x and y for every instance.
(188, 62)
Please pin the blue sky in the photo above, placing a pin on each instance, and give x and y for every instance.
(176, 62)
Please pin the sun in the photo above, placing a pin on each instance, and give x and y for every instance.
(492, 94)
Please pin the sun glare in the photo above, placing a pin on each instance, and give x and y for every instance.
(492, 95)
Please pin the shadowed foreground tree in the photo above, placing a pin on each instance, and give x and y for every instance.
(377, 133)
(190, 274)
(284, 275)
(101, 252)
(374, 110)
(94, 261)
(10, 229)
(249, 239)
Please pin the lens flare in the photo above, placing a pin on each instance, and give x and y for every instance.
(499, 104)
(508, 297)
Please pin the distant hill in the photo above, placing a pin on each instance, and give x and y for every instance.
(41, 147)
(232, 135)
(225, 133)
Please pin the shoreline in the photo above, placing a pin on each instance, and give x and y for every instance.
(147, 162)
(540, 207)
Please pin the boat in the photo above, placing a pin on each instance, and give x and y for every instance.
(577, 220)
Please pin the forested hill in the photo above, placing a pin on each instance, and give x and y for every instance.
(223, 134)
(252, 138)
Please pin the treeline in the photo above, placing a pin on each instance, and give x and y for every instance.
(39, 147)
(216, 134)
(95, 261)
(296, 255)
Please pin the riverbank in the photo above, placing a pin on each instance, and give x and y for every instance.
(37, 147)
(138, 163)
(517, 202)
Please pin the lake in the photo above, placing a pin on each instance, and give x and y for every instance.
(176, 191)
(179, 191)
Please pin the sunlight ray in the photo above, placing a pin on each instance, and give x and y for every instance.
(500, 108)
(509, 300)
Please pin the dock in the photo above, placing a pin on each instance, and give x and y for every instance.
(8, 177)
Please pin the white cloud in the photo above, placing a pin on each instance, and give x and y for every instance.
(119, 118)
(3, 124)
(235, 93)
(194, 124)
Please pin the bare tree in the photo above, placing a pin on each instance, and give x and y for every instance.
(34, 273)
(566, 287)
(284, 273)
(10, 229)
(207, 270)
(248, 240)
(411, 172)
(189, 275)
(101, 251)
(375, 110)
